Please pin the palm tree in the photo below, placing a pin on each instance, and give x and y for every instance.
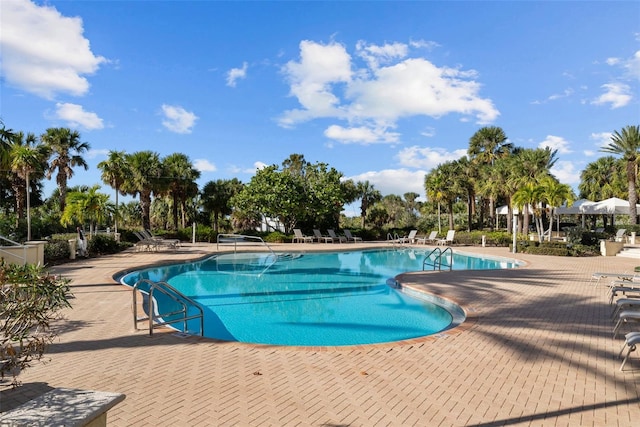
(114, 172)
(144, 180)
(530, 194)
(529, 166)
(6, 138)
(67, 151)
(89, 206)
(216, 197)
(441, 185)
(486, 146)
(368, 195)
(555, 194)
(599, 180)
(180, 177)
(626, 143)
(27, 158)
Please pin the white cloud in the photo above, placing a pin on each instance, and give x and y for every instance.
(362, 135)
(589, 153)
(566, 172)
(429, 132)
(566, 93)
(616, 94)
(177, 119)
(427, 157)
(204, 165)
(44, 52)
(394, 181)
(556, 143)
(327, 84)
(601, 139)
(92, 154)
(236, 73)
(75, 116)
(375, 55)
(252, 170)
(632, 65)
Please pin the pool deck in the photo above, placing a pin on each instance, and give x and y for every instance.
(537, 350)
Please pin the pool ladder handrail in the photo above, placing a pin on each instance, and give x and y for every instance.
(156, 319)
(240, 238)
(437, 262)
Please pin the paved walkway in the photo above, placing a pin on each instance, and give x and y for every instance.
(537, 350)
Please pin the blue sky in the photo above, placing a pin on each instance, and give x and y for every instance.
(382, 91)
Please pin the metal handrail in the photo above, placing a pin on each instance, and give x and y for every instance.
(24, 250)
(437, 262)
(240, 238)
(155, 318)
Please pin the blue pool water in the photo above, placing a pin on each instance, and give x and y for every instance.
(311, 299)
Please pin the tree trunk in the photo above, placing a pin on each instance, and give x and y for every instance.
(633, 197)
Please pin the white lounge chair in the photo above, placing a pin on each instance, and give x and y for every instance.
(625, 317)
(431, 238)
(631, 340)
(620, 235)
(350, 237)
(625, 304)
(335, 237)
(409, 238)
(301, 238)
(620, 276)
(317, 235)
(448, 240)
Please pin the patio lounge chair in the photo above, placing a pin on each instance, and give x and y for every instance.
(625, 317)
(447, 240)
(301, 238)
(631, 340)
(409, 238)
(620, 235)
(431, 238)
(144, 243)
(625, 304)
(161, 241)
(317, 235)
(626, 290)
(621, 276)
(350, 237)
(335, 237)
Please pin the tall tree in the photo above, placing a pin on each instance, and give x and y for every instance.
(626, 144)
(90, 205)
(180, 177)
(216, 198)
(600, 179)
(486, 146)
(114, 169)
(27, 158)
(528, 166)
(555, 194)
(144, 180)
(66, 149)
(368, 195)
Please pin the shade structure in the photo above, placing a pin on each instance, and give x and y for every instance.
(504, 210)
(576, 208)
(612, 206)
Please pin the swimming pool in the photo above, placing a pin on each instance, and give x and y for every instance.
(313, 299)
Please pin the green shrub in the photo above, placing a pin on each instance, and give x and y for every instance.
(55, 250)
(101, 244)
(276, 237)
(29, 300)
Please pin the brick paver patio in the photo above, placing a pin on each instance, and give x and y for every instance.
(537, 350)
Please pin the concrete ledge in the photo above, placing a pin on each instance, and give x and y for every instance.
(608, 248)
(64, 407)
